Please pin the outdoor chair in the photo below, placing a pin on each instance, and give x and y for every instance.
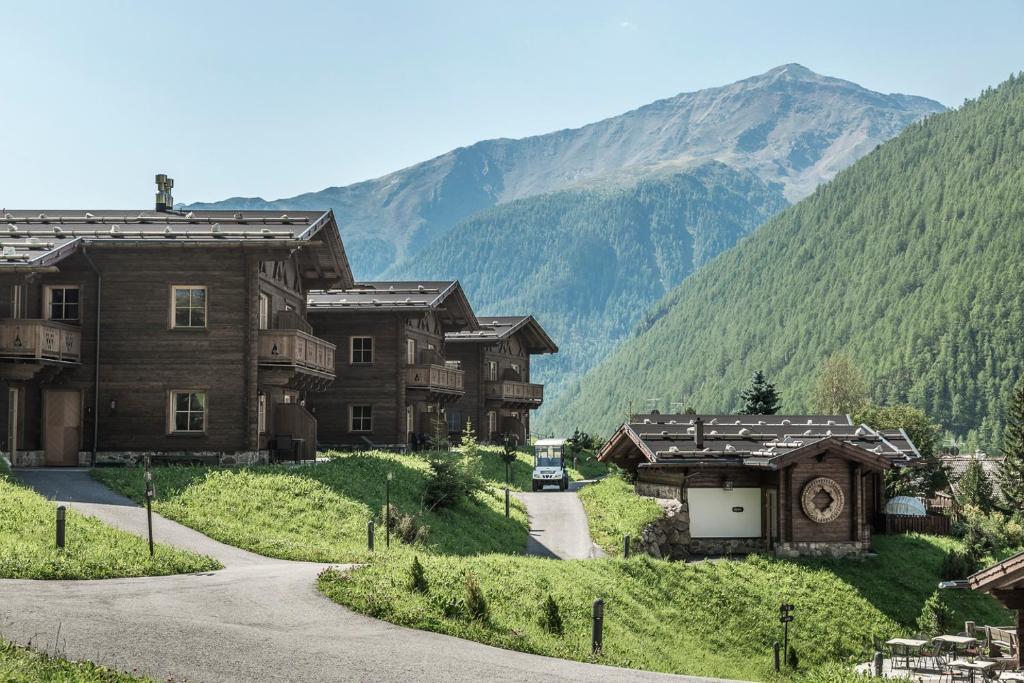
(929, 653)
(285, 447)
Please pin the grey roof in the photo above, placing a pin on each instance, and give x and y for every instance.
(957, 464)
(749, 440)
(417, 295)
(494, 328)
(33, 240)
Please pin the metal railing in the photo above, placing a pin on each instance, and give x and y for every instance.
(40, 339)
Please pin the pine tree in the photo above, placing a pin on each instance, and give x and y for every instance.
(760, 398)
(974, 487)
(1010, 475)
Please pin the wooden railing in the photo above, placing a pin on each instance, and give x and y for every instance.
(40, 339)
(435, 378)
(900, 524)
(515, 392)
(298, 348)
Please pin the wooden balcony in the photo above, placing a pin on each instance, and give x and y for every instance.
(435, 379)
(40, 340)
(515, 393)
(296, 359)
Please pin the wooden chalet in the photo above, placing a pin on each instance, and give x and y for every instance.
(496, 359)
(790, 484)
(394, 377)
(1005, 582)
(179, 335)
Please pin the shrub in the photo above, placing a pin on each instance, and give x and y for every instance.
(418, 577)
(469, 446)
(958, 565)
(551, 617)
(406, 527)
(994, 530)
(936, 616)
(448, 483)
(792, 659)
(476, 603)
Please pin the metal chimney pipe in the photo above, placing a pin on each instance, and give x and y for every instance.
(698, 433)
(164, 200)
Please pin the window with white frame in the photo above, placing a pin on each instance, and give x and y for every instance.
(188, 411)
(264, 311)
(492, 371)
(492, 423)
(16, 301)
(361, 419)
(361, 351)
(410, 351)
(62, 302)
(410, 423)
(261, 414)
(189, 306)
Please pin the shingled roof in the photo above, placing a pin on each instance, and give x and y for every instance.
(420, 295)
(39, 240)
(747, 440)
(495, 328)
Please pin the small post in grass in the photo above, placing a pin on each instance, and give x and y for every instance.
(775, 651)
(369, 535)
(509, 457)
(785, 618)
(879, 659)
(597, 635)
(150, 494)
(625, 548)
(387, 509)
(61, 517)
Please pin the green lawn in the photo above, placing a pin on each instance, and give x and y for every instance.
(93, 550)
(21, 665)
(614, 510)
(320, 512)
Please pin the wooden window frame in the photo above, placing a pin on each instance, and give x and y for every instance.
(492, 429)
(352, 350)
(173, 321)
(492, 376)
(410, 351)
(410, 420)
(263, 312)
(352, 417)
(261, 413)
(48, 302)
(172, 412)
(16, 295)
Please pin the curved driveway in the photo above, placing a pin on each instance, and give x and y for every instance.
(258, 619)
(558, 524)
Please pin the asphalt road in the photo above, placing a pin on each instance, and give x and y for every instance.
(558, 524)
(258, 619)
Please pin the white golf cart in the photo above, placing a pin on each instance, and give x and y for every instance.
(549, 464)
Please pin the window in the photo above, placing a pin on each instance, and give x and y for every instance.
(188, 411)
(492, 423)
(189, 304)
(264, 311)
(410, 351)
(361, 419)
(261, 414)
(362, 351)
(16, 301)
(410, 423)
(62, 303)
(492, 371)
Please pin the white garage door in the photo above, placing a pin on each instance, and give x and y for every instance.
(717, 513)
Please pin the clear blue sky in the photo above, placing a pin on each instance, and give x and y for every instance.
(278, 98)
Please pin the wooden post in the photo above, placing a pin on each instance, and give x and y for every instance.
(1020, 638)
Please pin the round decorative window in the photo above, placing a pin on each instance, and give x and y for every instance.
(822, 500)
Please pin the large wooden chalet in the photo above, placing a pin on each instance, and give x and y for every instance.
(124, 333)
(789, 484)
(496, 359)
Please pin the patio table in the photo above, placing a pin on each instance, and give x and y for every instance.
(959, 643)
(1017, 676)
(972, 667)
(902, 647)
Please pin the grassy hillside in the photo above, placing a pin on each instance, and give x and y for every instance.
(713, 619)
(588, 263)
(21, 665)
(911, 261)
(93, 550)
(615, 511)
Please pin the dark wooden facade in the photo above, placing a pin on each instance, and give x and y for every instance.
(1005, 582)
(112, 399)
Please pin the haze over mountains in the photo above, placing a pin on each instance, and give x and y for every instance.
(789, 125)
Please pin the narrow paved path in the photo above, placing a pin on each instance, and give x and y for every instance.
(259, 619)
(558, 524)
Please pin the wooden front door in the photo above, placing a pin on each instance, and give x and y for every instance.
(62, 426)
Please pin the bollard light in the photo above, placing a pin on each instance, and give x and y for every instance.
(387, 509)
(61, 518)
(369, 535)
(625, 548)
(597, 631)
(878, 663)
(776, 647)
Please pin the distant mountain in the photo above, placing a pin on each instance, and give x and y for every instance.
(588, 263)
(789, 126)
(911, 262)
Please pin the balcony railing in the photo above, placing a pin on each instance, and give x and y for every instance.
(435, 378)
(296, 348)
(515, 392)
(41, 340)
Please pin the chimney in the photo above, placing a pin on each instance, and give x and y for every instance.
(698, 433)
(164, 200)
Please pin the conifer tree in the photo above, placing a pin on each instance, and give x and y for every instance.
(974, 488)
(760, 398)
(1010, 475)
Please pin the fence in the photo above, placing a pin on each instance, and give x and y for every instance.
(929, 524)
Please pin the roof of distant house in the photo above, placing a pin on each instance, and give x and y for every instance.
(956, 465)
(766, 441)
(38, 240)
(495, 328)
(416, 295)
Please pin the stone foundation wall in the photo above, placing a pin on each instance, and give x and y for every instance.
(811, 549)
(132, 458)
(651, 490)
(28, 459)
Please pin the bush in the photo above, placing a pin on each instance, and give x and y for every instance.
(792, 659)
(983, 531)
(551, 617)
(448, 483)
(418, 577)
(476, 603)
(406, 527)
(958, 565)
(936, 616)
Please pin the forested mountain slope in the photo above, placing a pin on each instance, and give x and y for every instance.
(911, 261)
(788, 125)
(588, 263)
